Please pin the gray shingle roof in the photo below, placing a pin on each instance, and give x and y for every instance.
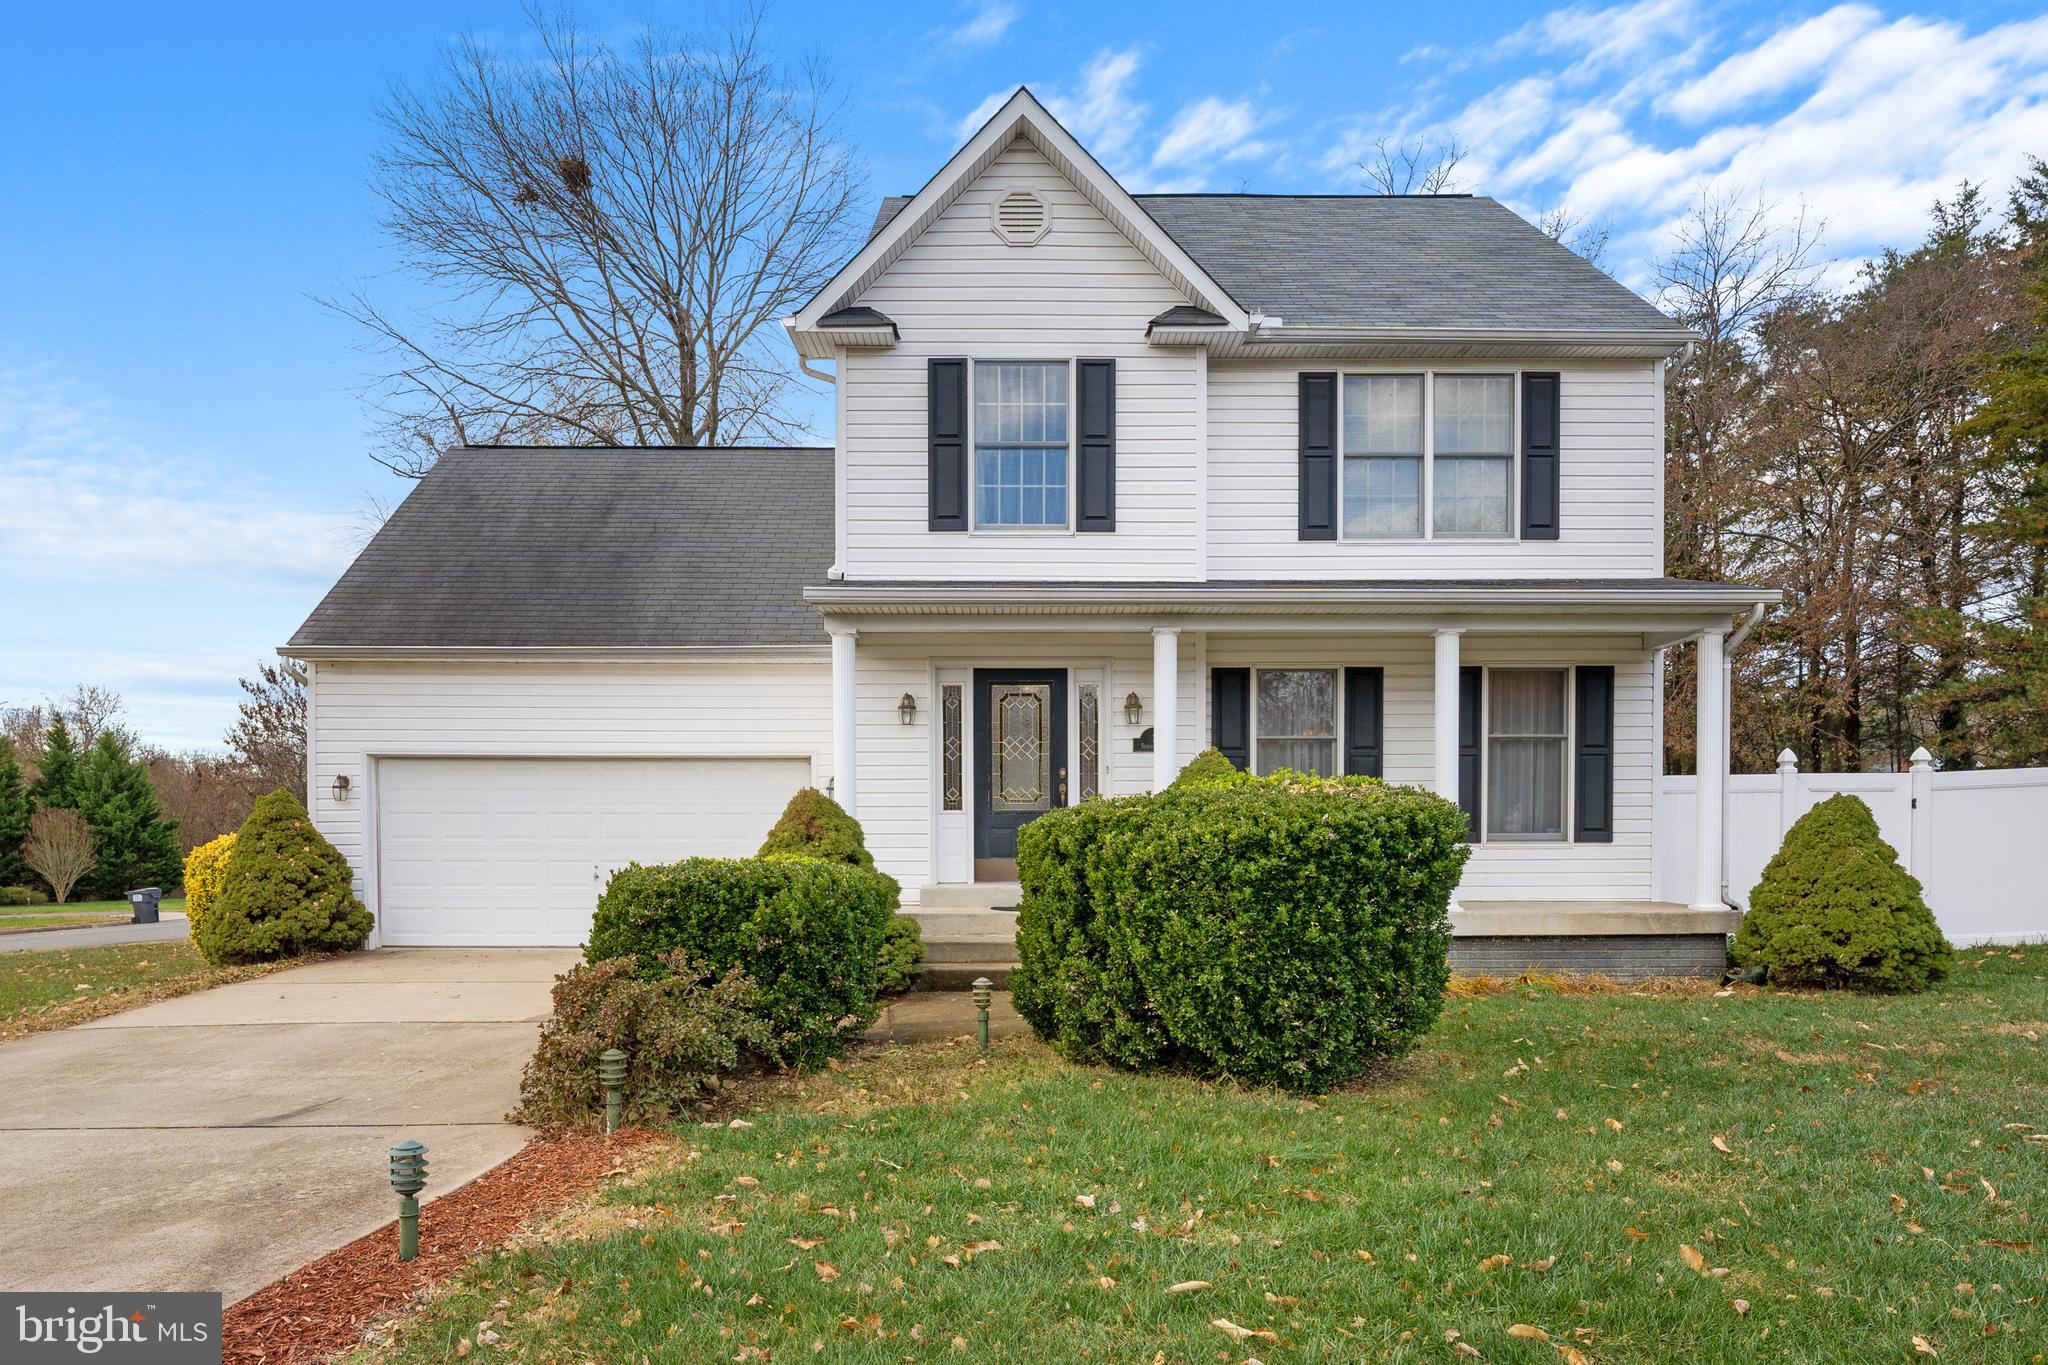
(1388, 261)
(592, 547)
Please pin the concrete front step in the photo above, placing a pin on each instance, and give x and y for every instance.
(970, 896)
(938, 924)
(958, 976)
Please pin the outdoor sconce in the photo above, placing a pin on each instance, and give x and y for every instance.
(907, 708)
(341, 790)
(1133, 708)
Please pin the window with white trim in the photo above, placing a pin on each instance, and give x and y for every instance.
(1294, 720)
(1527, 752)
(1427, 455)
(1021, 448)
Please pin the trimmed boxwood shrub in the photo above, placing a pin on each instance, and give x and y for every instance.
(1834, 908)
(285, 891)
(808, 932)
(902, 959)
(813, 825)
(679, 1031)
(1285, 930)
(1210, 769)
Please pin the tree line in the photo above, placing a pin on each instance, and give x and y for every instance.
(88, 809)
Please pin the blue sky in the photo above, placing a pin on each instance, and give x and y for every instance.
(182, 455)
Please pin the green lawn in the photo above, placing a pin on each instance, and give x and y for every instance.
(66, 985)
(23, 917)
(1636, 1177)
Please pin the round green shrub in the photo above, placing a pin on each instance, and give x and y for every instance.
(286, 891)
(679, 1032)
(1284, 930)
(1834, 908)
(813, 825)
(1210, 769)
(902, 959)
(808, 932)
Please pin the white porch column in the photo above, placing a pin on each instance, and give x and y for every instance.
(1446, 714)
(1166, 702)
(1710, 746)
(845, 766)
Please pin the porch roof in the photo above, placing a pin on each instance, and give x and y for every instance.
(1650, 605)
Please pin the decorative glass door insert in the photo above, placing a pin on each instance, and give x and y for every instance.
(1020, 747)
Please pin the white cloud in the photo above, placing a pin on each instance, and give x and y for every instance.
(1102, 113)
(1787, 57)
(1211, 130)
(981, 113)
(992, 19)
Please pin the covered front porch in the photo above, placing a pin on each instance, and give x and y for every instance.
(961, 711)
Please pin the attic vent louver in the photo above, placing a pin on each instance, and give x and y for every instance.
(1020, 217)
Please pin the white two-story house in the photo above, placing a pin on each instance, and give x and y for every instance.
(1344, 484)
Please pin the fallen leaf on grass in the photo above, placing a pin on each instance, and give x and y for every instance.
(1615, 1124)
(806, 1243)
(1188, 1286)
(973, 1249)
(1282, 1300)
(1362, 1255)
(1237, 1333)
(746, 1180)
(1540, 1266)
(1528, 1333)
(1636, 1234)
(1923, 1347)
(1466, 1348)
(1572, 1355)
(1898, 1203)
(1692, 1258)
(826, 1270)
(1721, 1145)
(2001, 1243)
(1741, 1307)
(1086, 1201)
(1495, 1262)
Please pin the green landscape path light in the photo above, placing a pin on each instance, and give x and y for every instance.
(982, 987)
(611, 1073)
(408, 1178)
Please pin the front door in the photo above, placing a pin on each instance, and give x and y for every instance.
(1020, 735)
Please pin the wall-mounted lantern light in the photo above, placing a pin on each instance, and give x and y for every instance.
(341, 789)
(1133, 708)
(907, 708)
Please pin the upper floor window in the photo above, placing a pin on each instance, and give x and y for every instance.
(1020, 443)
(1452, 453)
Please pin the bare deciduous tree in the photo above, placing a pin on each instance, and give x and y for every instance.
(269, 738)
(206, 794)
(610, 235)
(60, 849)
(1577, 234)
(1419, 167)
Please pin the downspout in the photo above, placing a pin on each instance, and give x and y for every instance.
(803, 363)
(1756, 614)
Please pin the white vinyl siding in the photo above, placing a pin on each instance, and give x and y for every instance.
(551, 710)
(1611, 480)
(1081, 292)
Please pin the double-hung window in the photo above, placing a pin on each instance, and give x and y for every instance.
(1296, 720)
(1416, 469)
(1527, 748)
(1020, 444)
(1382, 455)
(1474, 446)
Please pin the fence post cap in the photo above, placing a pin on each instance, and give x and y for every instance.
(1787, 759)
(1922, 760)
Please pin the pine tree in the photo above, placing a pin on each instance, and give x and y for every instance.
(58, 768)
(15, 810)
(137, 846)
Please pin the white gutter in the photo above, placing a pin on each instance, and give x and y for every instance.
(569, 653)
(943, 598)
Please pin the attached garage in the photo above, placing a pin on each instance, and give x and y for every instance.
(516, 850)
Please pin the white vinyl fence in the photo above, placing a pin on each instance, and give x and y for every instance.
(1978, 841)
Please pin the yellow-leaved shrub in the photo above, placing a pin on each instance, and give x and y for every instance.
(206, 867)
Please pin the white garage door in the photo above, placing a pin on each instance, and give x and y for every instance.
(516, 850)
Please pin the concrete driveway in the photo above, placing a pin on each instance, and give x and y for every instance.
(223, 1139)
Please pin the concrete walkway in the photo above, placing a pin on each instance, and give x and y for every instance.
(94, 935)
(219, 1140)
(924, 1015)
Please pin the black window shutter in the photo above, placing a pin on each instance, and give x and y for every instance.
(1230, 714)
(1593, 815)
(1539, 456)
(1318, 432)
(1468, 750)
(946, 434)
(1364, 722)
(1095, 504)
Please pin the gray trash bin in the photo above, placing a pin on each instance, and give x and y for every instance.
(144, 902)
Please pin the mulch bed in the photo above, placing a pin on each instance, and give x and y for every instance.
(322, 1309)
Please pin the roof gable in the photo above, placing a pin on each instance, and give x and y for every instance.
(1022, 116)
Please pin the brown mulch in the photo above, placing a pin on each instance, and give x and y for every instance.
(322, 1309)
